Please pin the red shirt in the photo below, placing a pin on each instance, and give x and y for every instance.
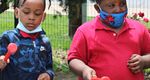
(27, 35)
(108, 52)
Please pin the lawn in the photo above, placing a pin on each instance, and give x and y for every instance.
(147, 24)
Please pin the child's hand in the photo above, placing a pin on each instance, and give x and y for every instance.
(88, 73)
(94, 77)
(44, 76)
(3, 63)
(135, 63)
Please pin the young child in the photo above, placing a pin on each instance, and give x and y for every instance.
(110, 45)
(33, 58)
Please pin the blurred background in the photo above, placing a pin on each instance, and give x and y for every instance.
(63, 18)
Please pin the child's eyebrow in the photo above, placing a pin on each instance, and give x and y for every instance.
(123, 0)
(39, 10)
(119, 2)
(26, 8)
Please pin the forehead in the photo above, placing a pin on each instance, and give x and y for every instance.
(33, 3)
(22, 2)
(110, 1)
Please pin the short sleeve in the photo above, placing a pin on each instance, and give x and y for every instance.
(78, 48)
(145, 42)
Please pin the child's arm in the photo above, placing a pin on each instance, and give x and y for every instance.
(3, 49)
(81, 69)
(49, 72)
(146, 60)
(2, 62)
(137, 63)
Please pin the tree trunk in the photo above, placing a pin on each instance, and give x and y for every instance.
(75, 16)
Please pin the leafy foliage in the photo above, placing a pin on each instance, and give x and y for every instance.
(4, 5)
(60, 61)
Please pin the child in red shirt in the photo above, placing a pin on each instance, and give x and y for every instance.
(110, 45)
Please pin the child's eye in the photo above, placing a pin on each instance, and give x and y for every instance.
(26, 12)
(111, 5)
(123, 4)
(38, 13)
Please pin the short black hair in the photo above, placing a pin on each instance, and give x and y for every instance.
(18, 3)
(98, 1)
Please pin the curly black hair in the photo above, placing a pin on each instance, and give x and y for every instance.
(19, 3)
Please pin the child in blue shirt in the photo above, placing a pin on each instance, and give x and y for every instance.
(33, 58)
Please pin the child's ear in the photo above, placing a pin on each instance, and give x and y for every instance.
(16, 13)
(97, 8)
(44, 16)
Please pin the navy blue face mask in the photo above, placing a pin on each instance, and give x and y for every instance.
(113, 20)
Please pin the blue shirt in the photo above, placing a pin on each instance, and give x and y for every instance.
(32, 58)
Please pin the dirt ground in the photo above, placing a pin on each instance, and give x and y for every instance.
(64, 76)
(71, 76)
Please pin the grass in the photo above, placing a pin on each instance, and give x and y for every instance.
(6, 21)
(147, 25)
(57, 30)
